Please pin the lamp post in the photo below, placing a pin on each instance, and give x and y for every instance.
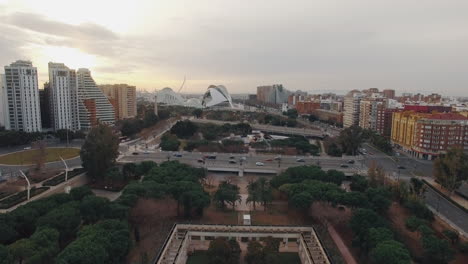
(29, 184)
(66, 169)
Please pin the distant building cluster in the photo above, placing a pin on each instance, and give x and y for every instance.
(70, 100)
(424, 126)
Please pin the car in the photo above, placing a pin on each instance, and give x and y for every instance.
(146, 152)
(232, 162)
(300, 160)
(401, 167)
(200, 161)
(344, 166)
(269, 160)
(135, 153)
(177, 155)
(350, 161)
(211, 157)
(232, 157)
(277, 158)
(27, 148)
(397, 154)
(243, 158)
(260, 163)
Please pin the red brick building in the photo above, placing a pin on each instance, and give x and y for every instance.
(307, 107)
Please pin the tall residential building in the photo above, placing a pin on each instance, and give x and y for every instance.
(123, 98)
(93, 105)
(426, 135)
(63, 97)
(272, 94)
(44, 96)
(23, 96)
(4, 121)
(389, 93)
(351, 109)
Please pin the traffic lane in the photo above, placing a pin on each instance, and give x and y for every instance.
(447, 209)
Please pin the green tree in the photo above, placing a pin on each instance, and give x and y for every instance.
(413, 223)
(5, 256)
(378, 235)
(390, 252)
(184, 129)
(361, 221)
(169, 143)
(46, 246)
(351, 139)
(359, 183)
(254, 253)
(99, 151)
(451, 169)
(437, 251)
(227, 193)
(129, 170)
(65, 218)
(222, 251)
(21, 250)
(260, 191)
(301, 200)
(150, 119)
(291, 113)
(79, 193)
(93, 208)
(197, 113)
(451, 235)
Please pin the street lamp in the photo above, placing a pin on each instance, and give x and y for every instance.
(66, 169)
(29, 184)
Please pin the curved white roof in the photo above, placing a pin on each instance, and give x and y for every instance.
(169, 97)
(216, 95)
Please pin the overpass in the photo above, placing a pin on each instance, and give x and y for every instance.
(306, 132)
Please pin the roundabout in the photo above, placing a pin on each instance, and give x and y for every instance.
(30, 157)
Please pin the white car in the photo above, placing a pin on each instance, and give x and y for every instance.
(260, 163)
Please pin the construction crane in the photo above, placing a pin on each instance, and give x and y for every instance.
(182, 86)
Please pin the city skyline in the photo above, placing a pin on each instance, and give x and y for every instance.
(310, 46)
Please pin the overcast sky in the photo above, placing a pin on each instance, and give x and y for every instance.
(311, 45)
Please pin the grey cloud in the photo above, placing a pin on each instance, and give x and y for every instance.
(38, 23)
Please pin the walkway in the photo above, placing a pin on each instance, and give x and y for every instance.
(348, 257)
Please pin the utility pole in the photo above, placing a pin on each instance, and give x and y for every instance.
(29, 184)
(66, 169)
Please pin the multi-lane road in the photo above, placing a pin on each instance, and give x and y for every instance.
(246, 161)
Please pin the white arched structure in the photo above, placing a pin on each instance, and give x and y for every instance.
(216, 95)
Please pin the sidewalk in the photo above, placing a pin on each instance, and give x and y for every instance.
(455, 197)
(349, 258)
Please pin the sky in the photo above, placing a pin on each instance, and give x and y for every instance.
(310, 45)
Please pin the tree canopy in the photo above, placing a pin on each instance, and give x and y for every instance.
(451, 169)
(99, 151)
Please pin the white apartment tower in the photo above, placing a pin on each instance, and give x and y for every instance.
(4, 122)
(351, 109)
(93, 105)
(63, 97)
(22, 95)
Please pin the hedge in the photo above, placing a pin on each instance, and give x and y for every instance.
(20, 197)
(61, 177)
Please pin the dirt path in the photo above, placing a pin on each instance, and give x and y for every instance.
(348, 257)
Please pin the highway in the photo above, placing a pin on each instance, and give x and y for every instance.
(224, 160)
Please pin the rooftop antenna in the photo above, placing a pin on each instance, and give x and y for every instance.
(182, 86)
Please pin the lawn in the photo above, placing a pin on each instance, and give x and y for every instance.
(28, 157)
(199, 257)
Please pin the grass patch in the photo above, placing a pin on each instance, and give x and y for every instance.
(200, 257)
(28, 156)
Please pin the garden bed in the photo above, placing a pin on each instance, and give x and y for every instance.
(61, 177)
(20, 197)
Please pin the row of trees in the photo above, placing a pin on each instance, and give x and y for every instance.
(39, 230)
(308, 184)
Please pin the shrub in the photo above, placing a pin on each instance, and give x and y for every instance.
(413, 223)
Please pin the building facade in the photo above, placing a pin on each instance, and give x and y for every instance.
(425, 135)
(4, 121)
(389, 93)
(307, 107)
(351, 109)
(123, 98)
(44, 96)
(63, 97)
(272, 94)
(93, 105)
(22, 94)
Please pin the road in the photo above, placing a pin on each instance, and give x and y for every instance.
(222, 160)
(417, 168)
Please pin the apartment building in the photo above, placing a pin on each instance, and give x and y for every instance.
(22, 96)
(272, 94)
(307, 107)
(123, 98)
(351, 108)
(4, 122)
(427, 135)
(63, 97)
(93, 105)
